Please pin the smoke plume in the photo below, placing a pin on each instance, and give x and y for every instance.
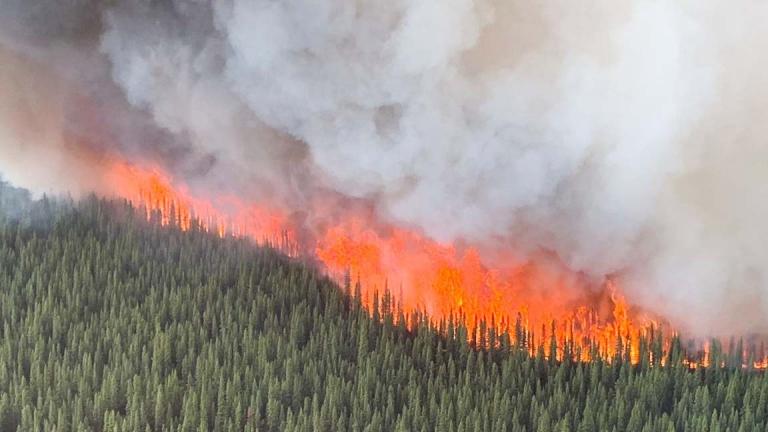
(626, 137)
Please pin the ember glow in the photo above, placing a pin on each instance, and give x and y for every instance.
(540, 304)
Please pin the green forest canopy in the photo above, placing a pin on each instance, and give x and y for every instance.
(110, 323)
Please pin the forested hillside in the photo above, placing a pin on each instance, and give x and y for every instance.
(111, 323)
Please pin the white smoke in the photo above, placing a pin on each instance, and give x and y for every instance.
(625, 136)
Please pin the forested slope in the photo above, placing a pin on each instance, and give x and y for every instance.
(111, 323)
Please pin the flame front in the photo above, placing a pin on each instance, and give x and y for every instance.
(540, 304)
(153, 190)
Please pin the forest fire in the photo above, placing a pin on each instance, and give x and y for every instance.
(541, 305)
(414, 215)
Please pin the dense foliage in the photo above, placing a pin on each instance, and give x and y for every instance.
(110, 323)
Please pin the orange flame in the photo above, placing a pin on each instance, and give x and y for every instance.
(153, 191)
(538, 303)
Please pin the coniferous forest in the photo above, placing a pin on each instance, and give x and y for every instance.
(113, 323)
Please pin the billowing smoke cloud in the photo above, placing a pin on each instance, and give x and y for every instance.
(625, 136)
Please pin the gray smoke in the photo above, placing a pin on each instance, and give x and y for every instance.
(625, 136)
